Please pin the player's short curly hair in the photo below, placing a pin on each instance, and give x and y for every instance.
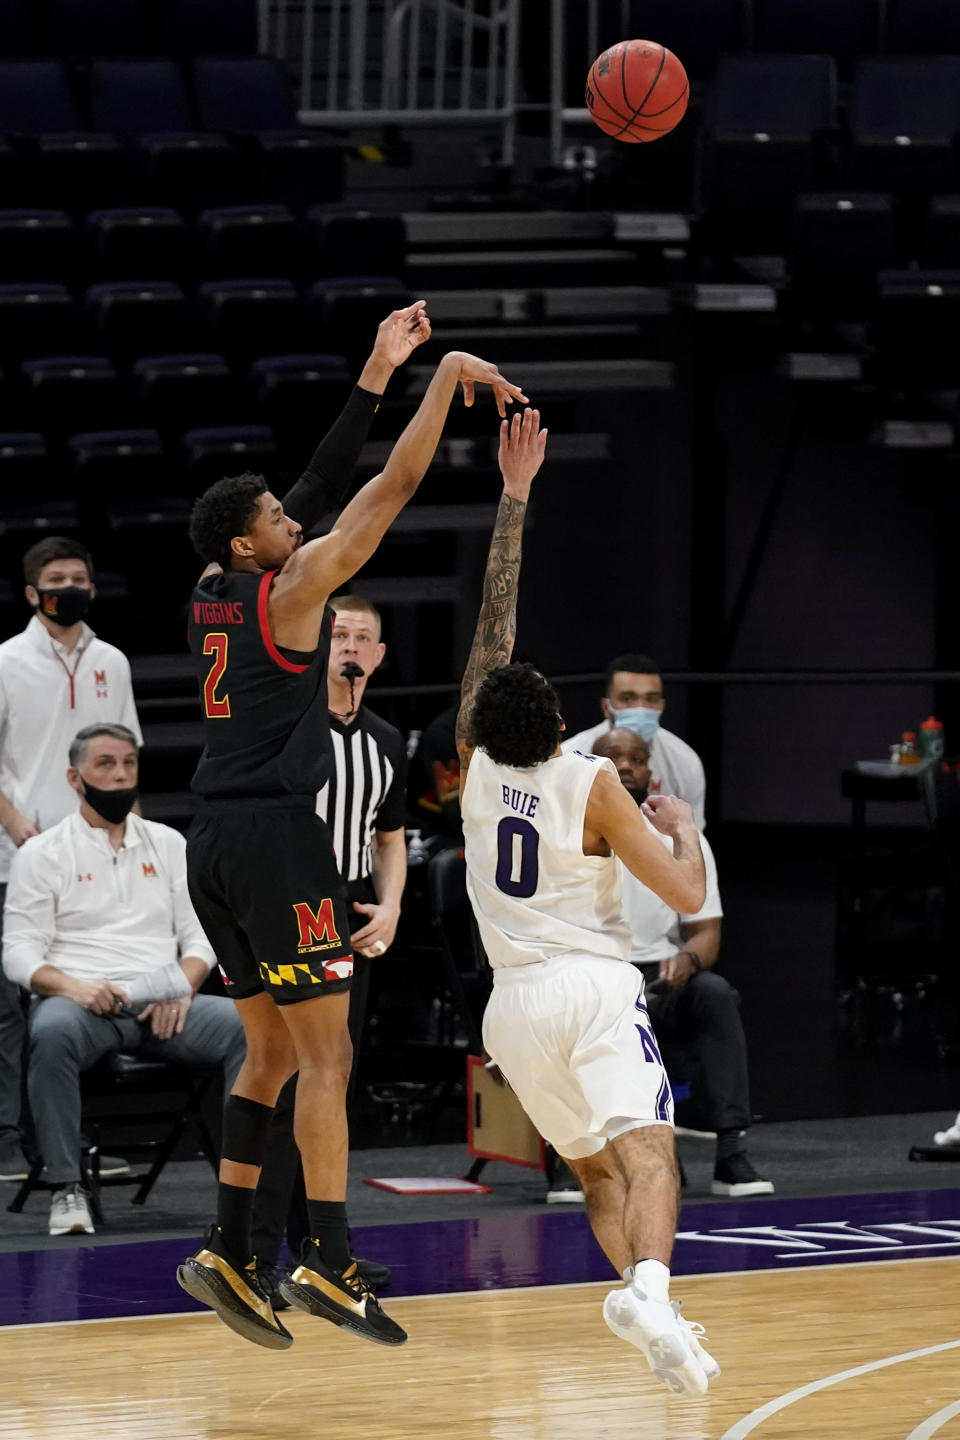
(226, 508)
(516, 717)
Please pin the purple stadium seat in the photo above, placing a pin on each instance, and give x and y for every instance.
(299, 396)
(36, 245)
(36, 320)
(904, 119)
(67, 393)
(241, 240)
(252, 99)
(131, 317)
(178, 392)
(767, 118)
(211, 452)
(148, 242)
(146, 103)
(355, 243)
(247, 318)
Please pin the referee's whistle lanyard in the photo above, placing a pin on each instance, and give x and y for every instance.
(71, 674)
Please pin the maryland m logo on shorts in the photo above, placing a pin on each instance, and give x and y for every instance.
(317, 930)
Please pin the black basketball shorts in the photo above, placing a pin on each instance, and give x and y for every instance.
(264, 882)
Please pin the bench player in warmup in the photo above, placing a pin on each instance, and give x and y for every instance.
(566, 1023)
(260, 863)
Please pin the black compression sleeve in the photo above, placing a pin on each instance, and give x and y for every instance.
(326, 480)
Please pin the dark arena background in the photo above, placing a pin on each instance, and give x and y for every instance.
(744, 341)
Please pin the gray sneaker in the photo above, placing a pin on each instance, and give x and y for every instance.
(69, 1212)
(13, 1163)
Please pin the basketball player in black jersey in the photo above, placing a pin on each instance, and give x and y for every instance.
(261, 868)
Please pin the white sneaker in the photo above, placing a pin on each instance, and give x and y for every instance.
(69, 1212)
(654, 1327)
(949, 1137)
(694, 1334)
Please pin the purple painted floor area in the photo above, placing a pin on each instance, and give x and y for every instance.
(100, 1282)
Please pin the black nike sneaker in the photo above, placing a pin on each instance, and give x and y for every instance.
(233, 1290)
(346, 1298)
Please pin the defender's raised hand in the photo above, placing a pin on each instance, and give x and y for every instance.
(522, 448)
(475, 371)
(400, 334)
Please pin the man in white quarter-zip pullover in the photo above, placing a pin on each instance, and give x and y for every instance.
(56, 677)
(99, 925)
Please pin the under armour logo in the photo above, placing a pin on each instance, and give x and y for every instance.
(84, 877)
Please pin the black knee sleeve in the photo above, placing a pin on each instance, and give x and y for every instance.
(245, 1125)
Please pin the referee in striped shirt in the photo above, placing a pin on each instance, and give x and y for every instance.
(364, 805)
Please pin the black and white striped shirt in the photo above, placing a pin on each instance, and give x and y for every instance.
(367, 790)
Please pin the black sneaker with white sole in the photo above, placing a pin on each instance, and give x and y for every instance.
(736, 1178)
(345, 1299)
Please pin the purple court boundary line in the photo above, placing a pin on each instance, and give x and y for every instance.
(497, 1252)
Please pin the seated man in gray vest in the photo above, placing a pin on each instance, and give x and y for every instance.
(99, 926)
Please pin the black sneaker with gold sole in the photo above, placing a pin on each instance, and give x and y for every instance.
(233, 1290)
(345, 1299)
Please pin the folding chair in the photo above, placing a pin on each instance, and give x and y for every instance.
(127, 1079)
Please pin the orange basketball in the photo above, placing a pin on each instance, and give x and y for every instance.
(637, 91)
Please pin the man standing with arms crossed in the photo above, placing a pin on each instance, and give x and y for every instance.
(566, 1023)
(261, 868)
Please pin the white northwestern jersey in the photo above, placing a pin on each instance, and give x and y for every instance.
(534, 892)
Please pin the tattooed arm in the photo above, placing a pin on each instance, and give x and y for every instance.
(522, 447)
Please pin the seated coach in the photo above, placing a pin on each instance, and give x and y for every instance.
(99, 926)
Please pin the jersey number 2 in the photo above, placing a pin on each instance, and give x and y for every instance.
(215, 644)
(525, 884)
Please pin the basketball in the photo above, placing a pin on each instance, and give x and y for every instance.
(637, 91)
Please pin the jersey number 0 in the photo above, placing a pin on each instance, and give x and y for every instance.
(518, 881)
(216, 708)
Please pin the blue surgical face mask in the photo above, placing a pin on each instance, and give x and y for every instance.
(640, 720)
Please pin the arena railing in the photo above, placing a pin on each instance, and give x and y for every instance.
(411, 62)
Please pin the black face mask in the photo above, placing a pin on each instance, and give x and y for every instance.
(111, 805)
(64, 607)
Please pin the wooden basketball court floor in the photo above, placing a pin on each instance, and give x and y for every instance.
(869, 1349)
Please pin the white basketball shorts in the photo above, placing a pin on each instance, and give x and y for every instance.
(573, 1038)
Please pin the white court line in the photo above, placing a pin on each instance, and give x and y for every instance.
(933, 1423)
(749, 1423)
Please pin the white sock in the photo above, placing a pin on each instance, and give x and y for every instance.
(651, 1279)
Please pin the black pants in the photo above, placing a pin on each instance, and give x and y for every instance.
(699, 1025)
(281, 1202)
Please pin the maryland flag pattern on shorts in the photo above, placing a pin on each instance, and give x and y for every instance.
(309, 972)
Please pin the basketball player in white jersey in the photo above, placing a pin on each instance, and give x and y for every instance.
(566, 1022)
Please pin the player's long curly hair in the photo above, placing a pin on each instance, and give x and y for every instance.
(516, 717)
(226, 508)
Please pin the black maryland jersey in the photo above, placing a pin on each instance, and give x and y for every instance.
(265, 711)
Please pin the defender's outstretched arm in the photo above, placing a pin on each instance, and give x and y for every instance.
(522, 448)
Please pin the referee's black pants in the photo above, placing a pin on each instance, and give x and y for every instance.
(700, 1035)
(281, 1201)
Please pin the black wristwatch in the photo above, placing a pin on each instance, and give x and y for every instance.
(694, 959)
